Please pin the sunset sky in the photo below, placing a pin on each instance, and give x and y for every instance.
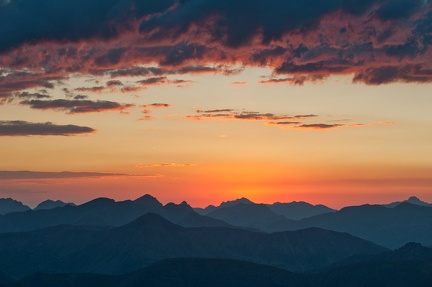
(324, 101)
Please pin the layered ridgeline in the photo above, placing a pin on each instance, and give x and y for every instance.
(391, 225)
(399, 268)
(151, 238)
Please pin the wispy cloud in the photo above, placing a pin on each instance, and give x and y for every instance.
(25, 174)
(172, 164)
(300, 121)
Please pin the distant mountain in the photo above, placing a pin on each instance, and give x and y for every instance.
(211, 208)
(105, 212)
(298, 210)
(293, 210)
(151, 238)
(9, 205)
(412, 200)
(389, 227)
(251, 215)
(50, 204)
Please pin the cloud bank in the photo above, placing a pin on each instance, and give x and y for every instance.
(377, 41)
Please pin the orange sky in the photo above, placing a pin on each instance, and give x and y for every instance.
(273, 100)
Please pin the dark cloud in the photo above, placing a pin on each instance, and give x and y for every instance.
(233, 114)
(80, 97)
(26, 95)
(376, 41)
(91, 89)
(156, 105)
(25, 174)
(114, 83)
(153, 81)
(23, 128)
(76, 106)
(13, 82)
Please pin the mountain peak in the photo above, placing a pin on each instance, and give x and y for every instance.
(8, 205)
(242, 200)
(147, 199)
(50, 204)
(413, 198)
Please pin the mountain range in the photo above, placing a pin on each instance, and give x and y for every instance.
(143, 242)
(151, 238)
(377, 270)
(390, 225)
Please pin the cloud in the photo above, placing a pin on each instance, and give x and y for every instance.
(169, 165)
(233, 114)
(76, 106)
(156, 105)
(25, 174)
(285, 122)
(239, 83)
(114, 83)
(26, 95)
(23, 128)
(375, 41)
(97, 89)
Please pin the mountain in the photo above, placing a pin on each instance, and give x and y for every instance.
(251, 215)
(210, 208)
(211, 272)
(9, 205)
(207, 272)
(412, 200)
(105, 212)
(298, 210)
(4, 279)
(389, 227)
(50, 204)
(151, 238)
(293, 210)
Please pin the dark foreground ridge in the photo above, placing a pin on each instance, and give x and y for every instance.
(187, 272)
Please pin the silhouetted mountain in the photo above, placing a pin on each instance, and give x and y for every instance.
(389, 227)
(8, 205)
(298, 210)
(412, 200)
(151, 238)
(4, 279)
(252, 215)
(409, 252)
(230, 203)
(293, 210)
(194, 272)
(211, 273)
(106, 212)
(50, 204)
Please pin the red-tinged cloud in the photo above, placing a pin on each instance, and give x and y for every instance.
(375, 41)
(285, 122)
(239, 83)
(23, 128)
(76, 106)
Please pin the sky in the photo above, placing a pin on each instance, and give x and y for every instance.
(210, 100)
